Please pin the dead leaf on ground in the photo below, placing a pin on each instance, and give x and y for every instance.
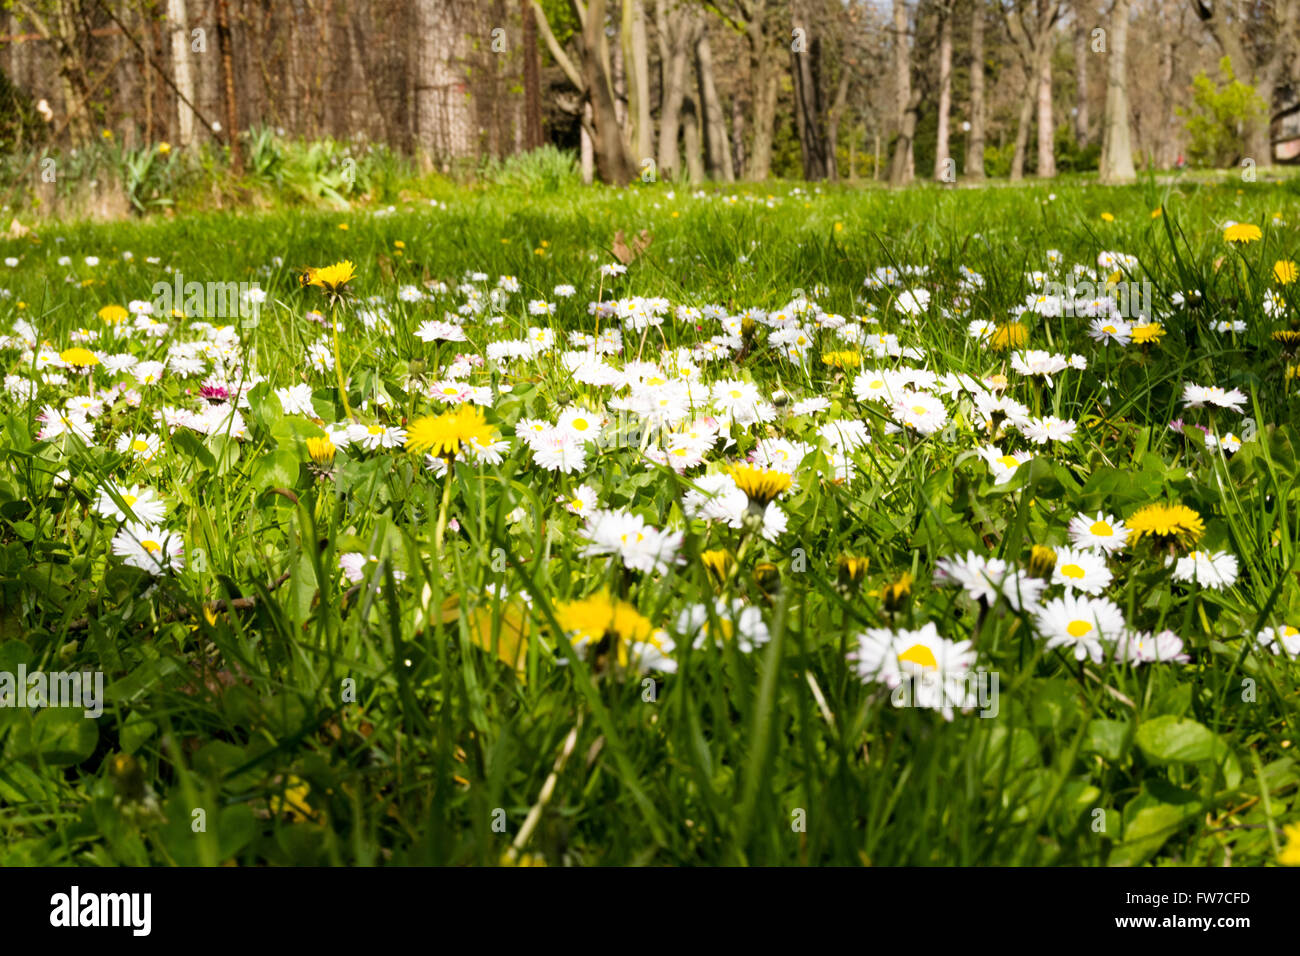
(625, 253)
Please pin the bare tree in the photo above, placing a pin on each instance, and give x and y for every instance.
(593, 76)
(975, 140)
(716, 147)
(1031, 25)
(1081, 55)
(903, 167)
(636, 59)
(1116, 144)
(758, 21)
(677, 27)
(942, 159)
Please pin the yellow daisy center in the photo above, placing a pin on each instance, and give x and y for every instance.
(1078, 628)
(919, 654)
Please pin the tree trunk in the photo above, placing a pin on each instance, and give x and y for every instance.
(1116, 164)
(1046, 126)
(738, 138)
(808, 109)
(691, 140)
(765, 79)
(941, 148)
(674, 45)
(900, 174)
(613, 164)
(716, 148)
(1026, 118)
(833, 117)
(636, 64)
(532, 78)
(586, 147)
(975, 142)
(181, 69)
(902, 170)
(1081, 54)
(228, 85)
(1259, 145)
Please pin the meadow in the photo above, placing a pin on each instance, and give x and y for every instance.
(770, 525)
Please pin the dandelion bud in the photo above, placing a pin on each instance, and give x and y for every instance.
(1042, 561)
(897, 593)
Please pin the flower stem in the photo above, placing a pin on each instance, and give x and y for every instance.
(338, 361)
(441, 527)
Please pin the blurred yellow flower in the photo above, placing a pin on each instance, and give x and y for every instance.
(1242, 232)
(79, 357)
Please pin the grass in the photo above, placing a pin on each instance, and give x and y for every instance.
(263, 708)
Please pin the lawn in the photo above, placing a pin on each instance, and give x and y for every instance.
(843, 532)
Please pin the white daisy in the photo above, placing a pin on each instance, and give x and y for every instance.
(149, 548)
(1103, 532)
(1217, 570)
(933, 668)
(1081, 570)
(141, 504)
(1281, 639)
(1138, 648)
(1081, 623)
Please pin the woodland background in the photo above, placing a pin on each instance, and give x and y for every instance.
(674, 89)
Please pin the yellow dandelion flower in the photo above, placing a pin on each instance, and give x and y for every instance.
(164, 148)
(332, 279)
(604, 620)
(762, 485)
(1285, 272)
(1242, 232)
(443, 435)
(321, 450)
(1148, 333)
(1010, 335)
(1107, 217)
(79, 358)
(1290, 855)
(1165, 522)
(113, 314)
(842, 360)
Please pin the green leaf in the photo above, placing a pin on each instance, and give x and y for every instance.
(276, 469)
